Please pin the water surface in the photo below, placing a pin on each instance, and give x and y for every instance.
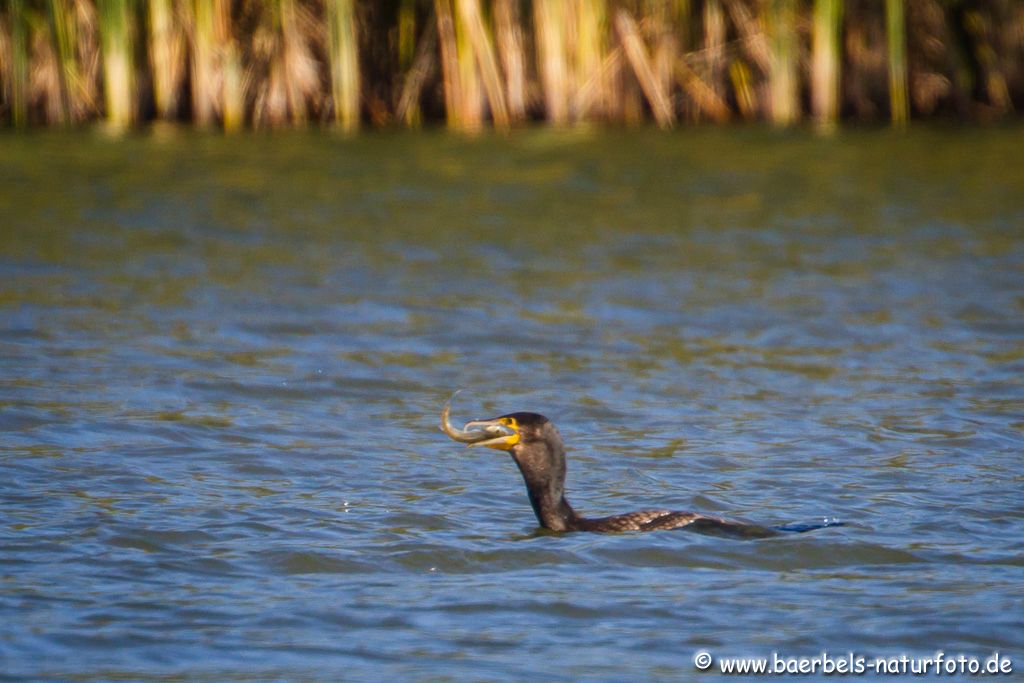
(222, 361)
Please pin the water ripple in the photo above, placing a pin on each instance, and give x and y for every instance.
(221, 366)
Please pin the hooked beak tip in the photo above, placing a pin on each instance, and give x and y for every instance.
(492, 433)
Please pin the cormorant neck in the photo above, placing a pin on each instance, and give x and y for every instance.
(553, 513)
(545, 485)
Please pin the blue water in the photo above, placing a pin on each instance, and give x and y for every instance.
(222, 362)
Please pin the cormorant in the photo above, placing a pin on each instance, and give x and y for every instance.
(536, 447)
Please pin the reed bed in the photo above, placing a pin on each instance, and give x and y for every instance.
(475, 63)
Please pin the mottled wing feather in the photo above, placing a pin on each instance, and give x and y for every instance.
(643, 520)
(670, 520)
(661, 520)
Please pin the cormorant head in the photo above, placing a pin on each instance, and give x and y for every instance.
(525, 429)
(535, 445)
(531, 439)
(537, 448)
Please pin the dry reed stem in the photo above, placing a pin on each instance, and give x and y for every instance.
(663, 54)
(703, 95)
(44, 77)
(714, 45)
(977, 26)
(550, 21)
(472, 88)
(588, 57)
(282, 62)
(85, 93)
(483, 48)
(509, 35)
(782, 76)
(452, 84)
(755, 40)
(295, 68)
(407, 109)
(63, 27)
(636, 54)
(292, 77)
(166, 57)
(593, 87)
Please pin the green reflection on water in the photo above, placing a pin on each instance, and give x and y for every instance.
(531, 188)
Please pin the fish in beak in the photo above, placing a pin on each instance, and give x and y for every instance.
(500, 433)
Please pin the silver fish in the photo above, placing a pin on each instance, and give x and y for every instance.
(473, 432)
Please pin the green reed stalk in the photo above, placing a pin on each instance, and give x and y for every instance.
(895, 26)
(204, 72)
(742, 85)
(62, 27)
(20, 59)
(825, 60)
(116, 40)
(782, 73)
(406, 33)
(232, 92)
(289, 60)
(166, 56)
(343, 53)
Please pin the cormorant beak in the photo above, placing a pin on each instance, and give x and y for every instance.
(501, 433)
(505, 429)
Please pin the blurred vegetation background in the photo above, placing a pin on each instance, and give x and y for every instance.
(476, 63)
